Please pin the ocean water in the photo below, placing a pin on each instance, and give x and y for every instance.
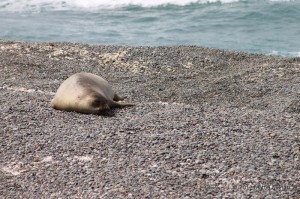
(256, 26)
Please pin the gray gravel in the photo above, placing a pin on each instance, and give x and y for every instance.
(207, 124)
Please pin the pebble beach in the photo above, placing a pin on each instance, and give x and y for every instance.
(207, 123)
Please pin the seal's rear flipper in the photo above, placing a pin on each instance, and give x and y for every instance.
(120, 105)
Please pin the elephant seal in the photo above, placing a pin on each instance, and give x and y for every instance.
(86, 93)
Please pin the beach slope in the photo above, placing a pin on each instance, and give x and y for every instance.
(207, 124)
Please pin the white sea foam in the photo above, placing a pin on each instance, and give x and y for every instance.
(37, 5)
(284, 53)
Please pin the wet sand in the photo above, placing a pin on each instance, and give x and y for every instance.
(207, 124)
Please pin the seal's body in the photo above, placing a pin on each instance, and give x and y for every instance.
(86, 93)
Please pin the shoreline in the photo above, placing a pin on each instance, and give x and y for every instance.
(274, 55)
(207, 123)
